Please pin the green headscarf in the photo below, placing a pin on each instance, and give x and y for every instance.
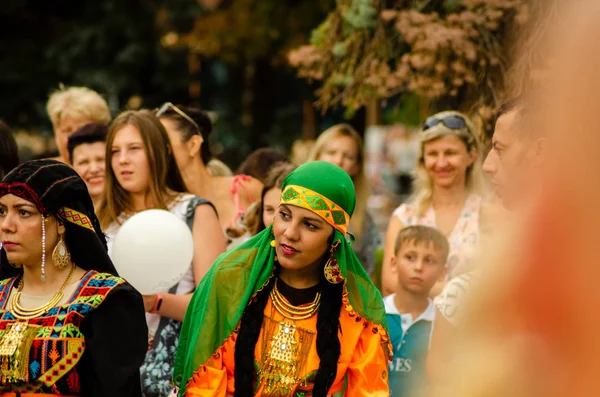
(216, 308)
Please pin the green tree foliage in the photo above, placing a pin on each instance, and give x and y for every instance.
(259, 102)
(449, 53)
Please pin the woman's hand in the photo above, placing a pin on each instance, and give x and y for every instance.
(149, 302)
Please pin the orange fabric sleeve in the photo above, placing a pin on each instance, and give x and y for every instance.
(215, 378)
(368, 369)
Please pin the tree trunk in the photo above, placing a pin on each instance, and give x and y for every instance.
(309, 120)
(373, 116)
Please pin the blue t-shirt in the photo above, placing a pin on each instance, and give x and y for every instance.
(410, 339)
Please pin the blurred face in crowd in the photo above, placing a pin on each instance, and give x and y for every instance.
(270, 205)
(63, 130)
(514, 156)
(89, 162)
(446, 160)
(342, 151)
(129, 161)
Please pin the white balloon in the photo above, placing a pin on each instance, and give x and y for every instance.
(153, 250)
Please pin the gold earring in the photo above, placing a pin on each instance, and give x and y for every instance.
(61, 255)
(332, 271)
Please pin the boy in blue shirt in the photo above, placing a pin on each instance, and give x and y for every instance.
(419, 262)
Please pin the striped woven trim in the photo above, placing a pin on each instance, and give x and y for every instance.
(76, 217)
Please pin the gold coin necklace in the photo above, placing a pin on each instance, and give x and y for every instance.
(18, 336)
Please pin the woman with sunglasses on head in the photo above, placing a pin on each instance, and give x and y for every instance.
(188, 131)
(448, 192)
(291, 312)
(142, 174)
(68, 325)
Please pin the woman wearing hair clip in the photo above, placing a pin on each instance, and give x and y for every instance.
(189, 130)
(291, 312)
(68, 325)
(448, 193)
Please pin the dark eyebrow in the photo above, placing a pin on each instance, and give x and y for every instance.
(24, 205)
(306, 218)
(315, 220)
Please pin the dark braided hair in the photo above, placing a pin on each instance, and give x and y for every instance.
(245, 344)
(328, 343)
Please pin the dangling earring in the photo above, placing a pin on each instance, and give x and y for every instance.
(43, 275)
(273, 244)
(61, 255)
(332, 271)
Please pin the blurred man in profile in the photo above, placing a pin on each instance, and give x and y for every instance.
(517, 153)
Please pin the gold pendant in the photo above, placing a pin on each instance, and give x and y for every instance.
(283, 344)
(14, 351)
(12, 338)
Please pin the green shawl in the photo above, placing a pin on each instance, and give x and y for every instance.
(216, 308)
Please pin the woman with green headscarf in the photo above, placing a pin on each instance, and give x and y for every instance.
(291, 312)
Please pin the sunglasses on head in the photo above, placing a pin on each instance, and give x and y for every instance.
(453, 122)
(168, 105)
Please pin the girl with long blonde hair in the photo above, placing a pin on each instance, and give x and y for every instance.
(448, 192)
(341, 145)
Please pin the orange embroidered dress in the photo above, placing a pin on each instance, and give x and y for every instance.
(362, 360)
(286, 360)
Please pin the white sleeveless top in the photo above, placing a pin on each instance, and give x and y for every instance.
(464, 237)
(187, 284)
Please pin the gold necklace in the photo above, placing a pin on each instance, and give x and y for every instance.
(23, 313)
(291, 312)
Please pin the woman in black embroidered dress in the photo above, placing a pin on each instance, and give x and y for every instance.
(68, 324)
